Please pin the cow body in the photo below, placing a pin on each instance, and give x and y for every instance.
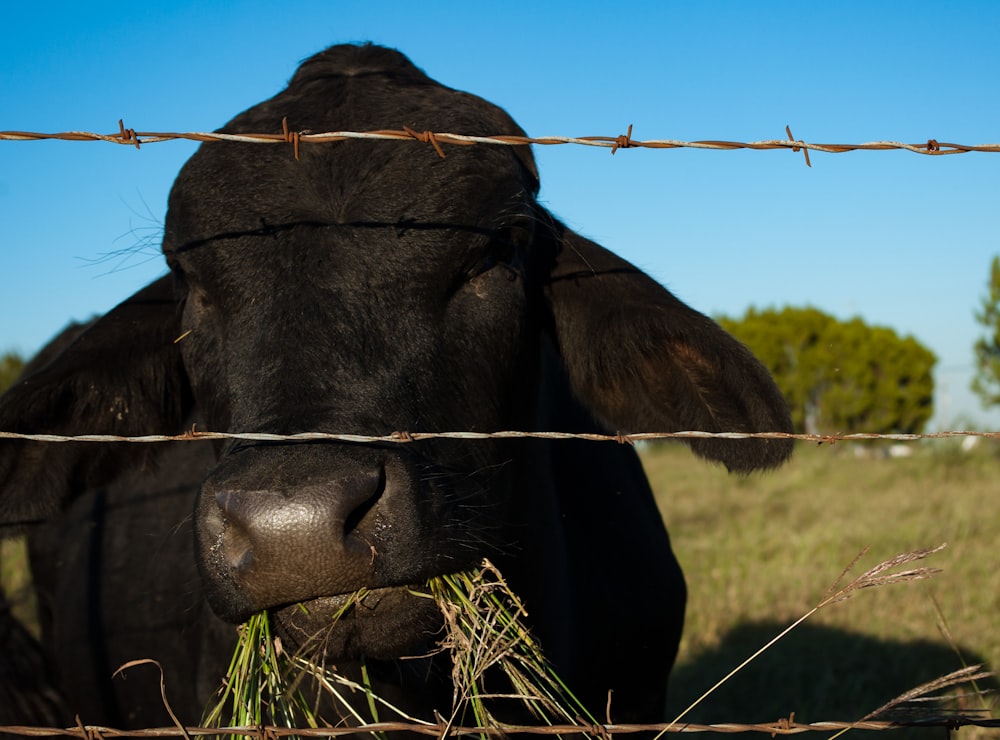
(368, 287)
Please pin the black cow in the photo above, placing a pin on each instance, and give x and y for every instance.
(368, 287)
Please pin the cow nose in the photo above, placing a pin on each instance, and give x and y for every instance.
(288, 546)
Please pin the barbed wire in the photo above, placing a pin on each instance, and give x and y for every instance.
(407, 437)
(785, 726)
(131, 137)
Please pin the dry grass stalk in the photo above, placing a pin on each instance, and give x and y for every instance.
(484, 632)
(879, 575)
(339, 688)
(945, 630)
(907, 706)
(921, 693)
(163, 693)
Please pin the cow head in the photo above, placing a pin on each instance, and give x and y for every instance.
(372, 287)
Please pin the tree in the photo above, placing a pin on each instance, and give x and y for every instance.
(986, 382)
(841, 376)
(11, 364)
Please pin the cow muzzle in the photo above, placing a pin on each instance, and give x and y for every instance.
(281, 548)
(290, 524)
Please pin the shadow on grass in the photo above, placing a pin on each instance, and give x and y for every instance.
(819, 673)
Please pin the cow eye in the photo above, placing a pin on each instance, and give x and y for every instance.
(503, 249)
(500, 252)
(507, 248)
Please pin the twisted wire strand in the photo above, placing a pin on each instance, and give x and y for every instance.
(402, 437)
(131, 137)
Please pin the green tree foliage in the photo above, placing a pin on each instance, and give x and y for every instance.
(841, 376)
(986, 383)
(11, 364)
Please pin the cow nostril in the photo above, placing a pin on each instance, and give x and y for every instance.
(366, 495)
(237, 549)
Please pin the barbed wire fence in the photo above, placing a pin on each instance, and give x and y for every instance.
(785, 726)
(402, 437)
(440, 141)
(131, 137)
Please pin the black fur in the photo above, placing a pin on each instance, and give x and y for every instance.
(369, 287)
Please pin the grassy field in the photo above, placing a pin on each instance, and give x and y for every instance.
(759, 552)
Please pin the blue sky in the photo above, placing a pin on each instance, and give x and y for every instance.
(902, 240)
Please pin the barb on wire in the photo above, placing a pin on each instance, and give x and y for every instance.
(404, 437)
(788, 130)
(131, 137)
(290, 137)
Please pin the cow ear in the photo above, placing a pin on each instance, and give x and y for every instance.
(121, 375)
(643, 361)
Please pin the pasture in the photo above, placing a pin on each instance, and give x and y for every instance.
(759, 552)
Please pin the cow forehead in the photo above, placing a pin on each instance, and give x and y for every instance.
(231, 188)
(379, 192)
